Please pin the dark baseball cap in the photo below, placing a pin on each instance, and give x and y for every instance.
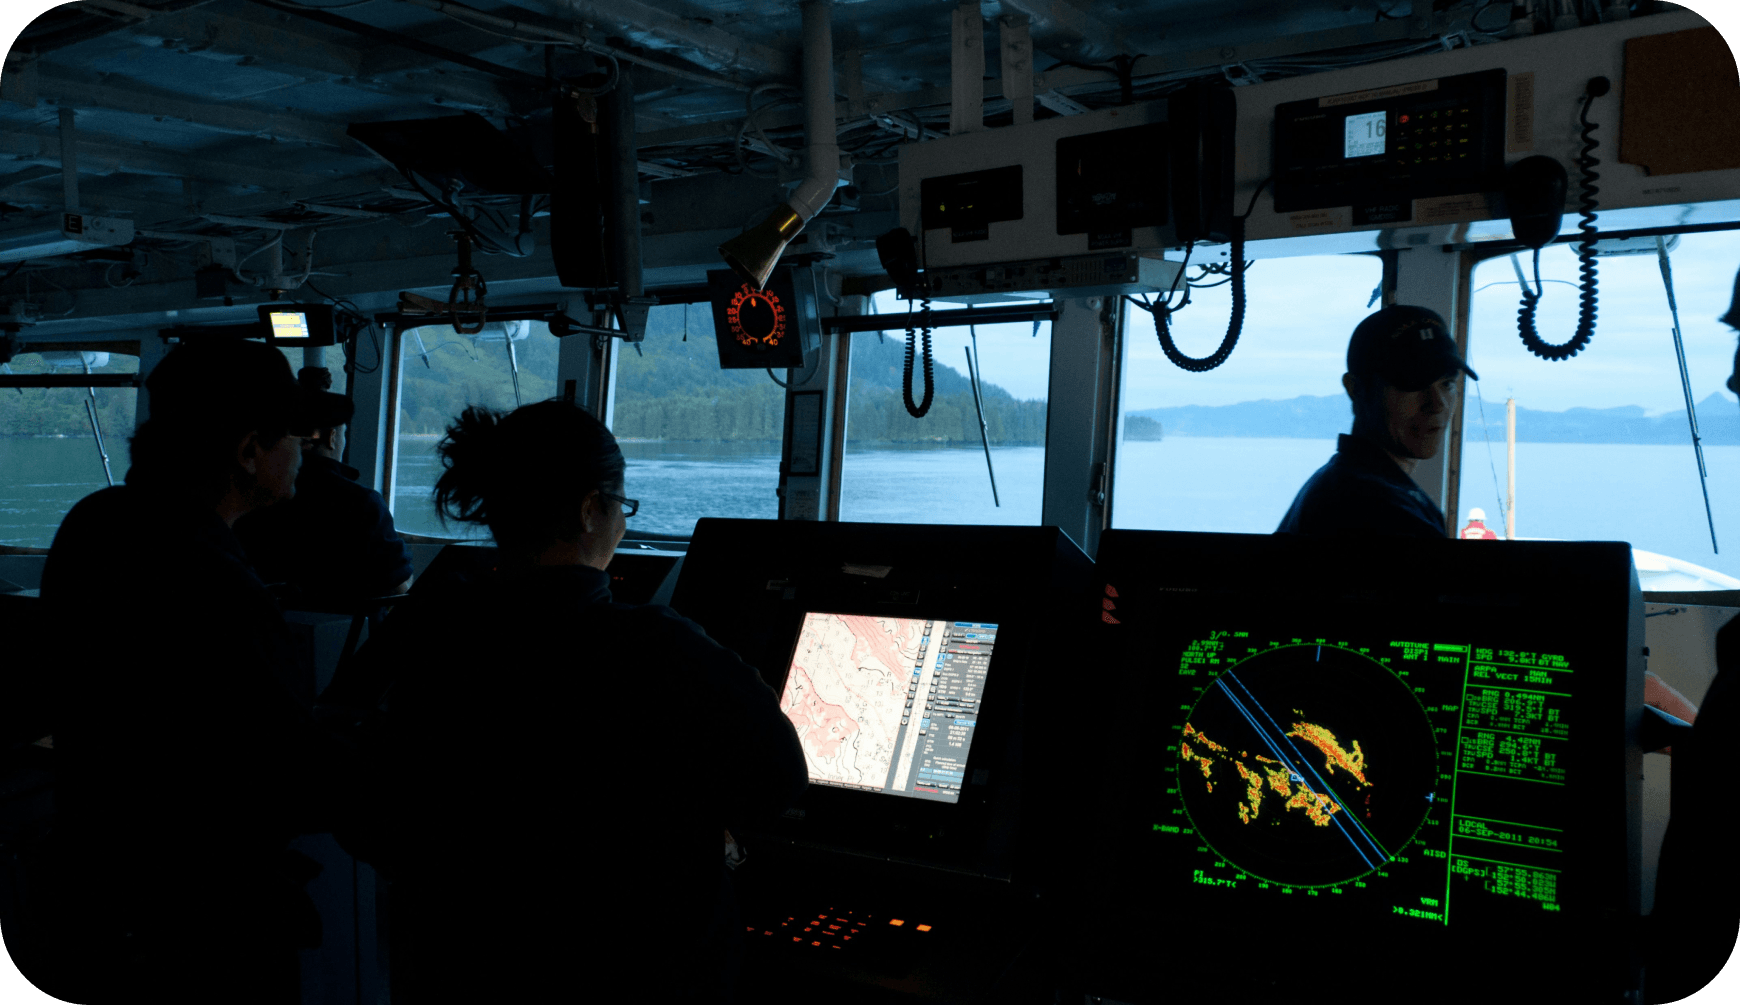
(1409, 347)
(326, 410)
(229, 383)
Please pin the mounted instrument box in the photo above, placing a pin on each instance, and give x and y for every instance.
(1057, 188)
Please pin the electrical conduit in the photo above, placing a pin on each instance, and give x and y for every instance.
(755, 252)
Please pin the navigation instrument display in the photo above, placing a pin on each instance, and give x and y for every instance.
(1364, 134)
(888, 704)
(1433, 770)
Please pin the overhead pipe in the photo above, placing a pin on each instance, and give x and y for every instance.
(622, 182)
(753, 253)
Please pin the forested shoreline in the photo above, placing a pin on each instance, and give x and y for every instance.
(673, 389)
(669, 388)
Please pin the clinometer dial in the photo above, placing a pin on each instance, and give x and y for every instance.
(757, 319)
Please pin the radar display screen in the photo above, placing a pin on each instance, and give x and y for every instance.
(888, 704)
(1430, 773)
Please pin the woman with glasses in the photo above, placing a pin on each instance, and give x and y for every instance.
(556, 768)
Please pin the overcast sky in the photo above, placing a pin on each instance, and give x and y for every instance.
(1301, 310)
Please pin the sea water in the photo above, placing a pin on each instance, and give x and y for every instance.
(1643, 493)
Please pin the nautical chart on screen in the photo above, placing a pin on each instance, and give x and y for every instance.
(849, 690)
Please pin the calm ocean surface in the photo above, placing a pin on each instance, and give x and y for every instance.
(1645, 494)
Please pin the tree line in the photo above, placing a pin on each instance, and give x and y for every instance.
(60, 411)
(669, 387)
(672, 388)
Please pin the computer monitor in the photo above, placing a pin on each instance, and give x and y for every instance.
(289, 324)
(1423, 749)
(884, 703)
(848, 623)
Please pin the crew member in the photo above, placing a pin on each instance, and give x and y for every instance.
(185, 763)
(1476, 528)
(335, 540)
(1696, 918)
(1402, 367)
(556, 769)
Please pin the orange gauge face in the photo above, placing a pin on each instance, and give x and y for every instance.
(757, 318)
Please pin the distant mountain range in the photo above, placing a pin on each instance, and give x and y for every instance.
(1321, 418)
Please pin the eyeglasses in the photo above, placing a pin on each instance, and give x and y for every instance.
(629, 506)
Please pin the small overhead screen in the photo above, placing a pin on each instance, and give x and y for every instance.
(298, 324)
(888, 704)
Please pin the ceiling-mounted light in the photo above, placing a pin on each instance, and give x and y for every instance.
(753, 253)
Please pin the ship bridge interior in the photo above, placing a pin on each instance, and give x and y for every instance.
(889, 301)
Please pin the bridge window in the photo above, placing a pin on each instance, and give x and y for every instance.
(700, 441)
(48, 453)
(1227, 450)
(1604, 451)
(932, 470)
(442, 372)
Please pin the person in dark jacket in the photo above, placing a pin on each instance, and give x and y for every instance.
(557, 770)
(1402, 367)
(1696, 917)
(335, 541)
(185, 764)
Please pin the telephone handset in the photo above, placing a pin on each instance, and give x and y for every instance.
(899, 254)
(1534, 192)
(1201, 121)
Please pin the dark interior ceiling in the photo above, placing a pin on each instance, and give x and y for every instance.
(211, 118)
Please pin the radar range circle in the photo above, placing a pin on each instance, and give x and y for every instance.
(1307, 765)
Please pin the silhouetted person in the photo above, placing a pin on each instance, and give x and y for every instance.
(1402, 366)
(335, 541)
(185, 763)
(556, 768)
(1696, 918)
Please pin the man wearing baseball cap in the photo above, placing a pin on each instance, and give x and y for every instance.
(335, 541)
(185, 763)
(1402, 367)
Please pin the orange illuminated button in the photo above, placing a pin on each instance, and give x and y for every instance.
(895, 921)
(924, 928)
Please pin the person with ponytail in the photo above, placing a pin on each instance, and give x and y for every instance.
(554, 768)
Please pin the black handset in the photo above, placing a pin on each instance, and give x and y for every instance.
(1202, 119)
(899, 255)
(1534, 192)
(1534, 189)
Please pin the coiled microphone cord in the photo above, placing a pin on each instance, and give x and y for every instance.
(1587, 203)
(1235, 324)
(921, 409)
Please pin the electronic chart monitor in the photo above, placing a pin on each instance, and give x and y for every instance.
(905, 657)
(1391, 747)
(887, 703)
